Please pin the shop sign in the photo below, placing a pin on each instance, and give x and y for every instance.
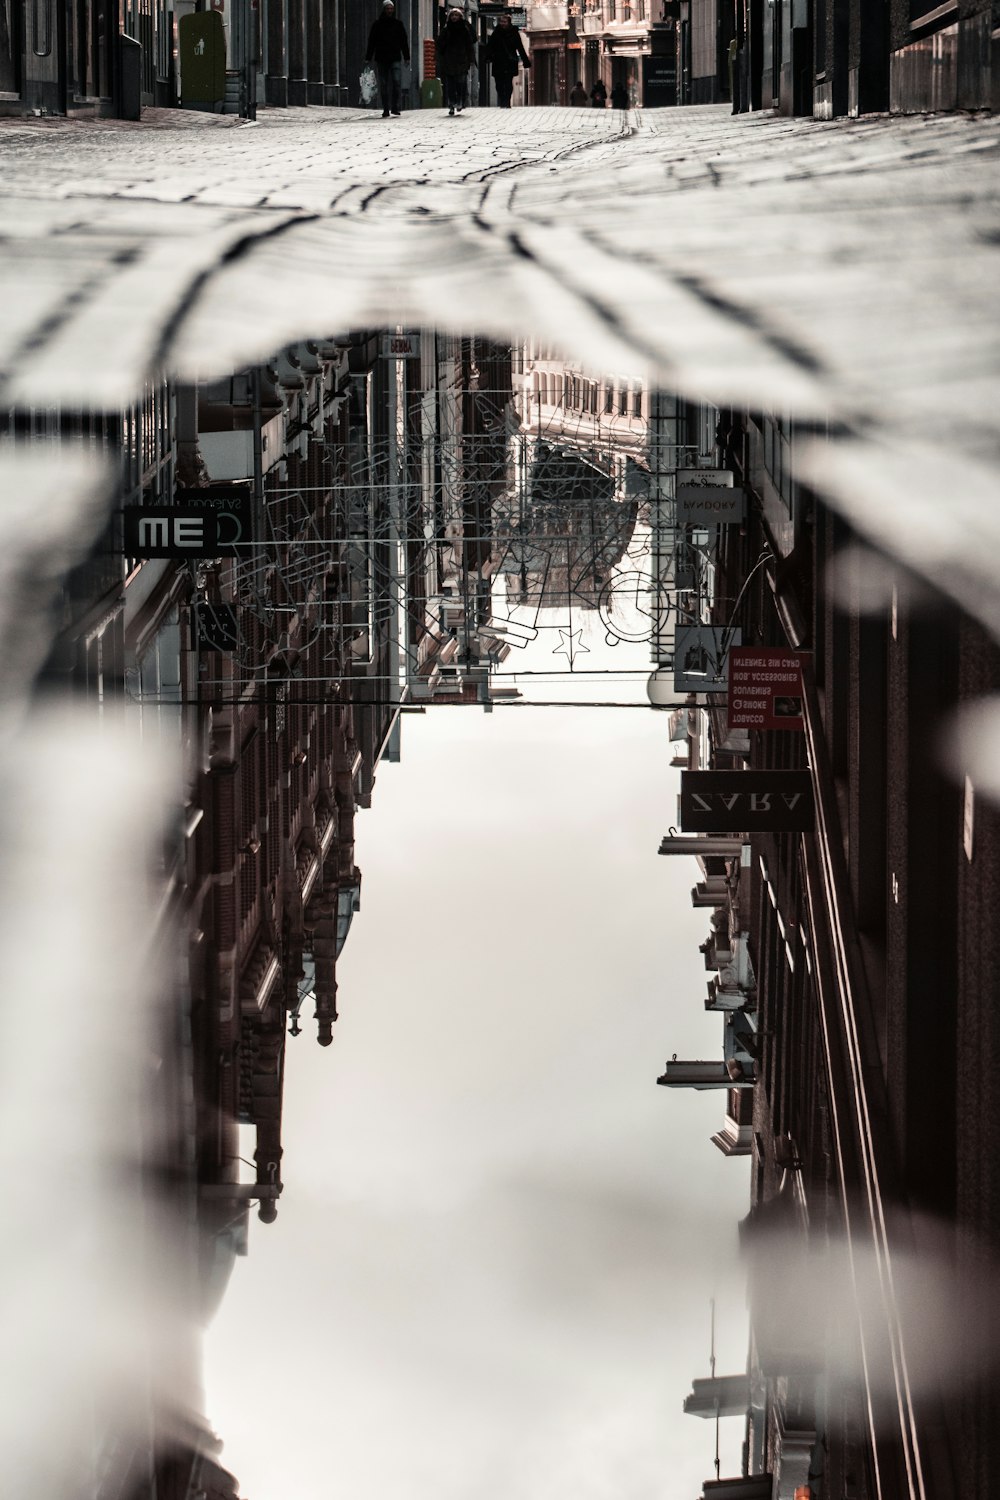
(710, 505)
(700, 479)
(659, 80)
(708, 497)
(216, 627)
(518, 13)
(746, 802)
(765, 687)
(213, 522)
(401, 345)
(700, 658)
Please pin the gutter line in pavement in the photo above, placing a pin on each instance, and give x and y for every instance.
(173, 324)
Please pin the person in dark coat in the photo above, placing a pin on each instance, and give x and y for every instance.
(388, 49)
(599, 95)
(456, 52)
(619, 97)
(503, 50)
(578, 94)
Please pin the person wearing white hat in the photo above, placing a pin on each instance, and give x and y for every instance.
(456, 52)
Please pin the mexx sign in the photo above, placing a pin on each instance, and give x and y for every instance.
(213, 522)
(746, 802)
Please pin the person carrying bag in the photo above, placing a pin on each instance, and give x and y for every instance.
(456, 52)
(388, 49)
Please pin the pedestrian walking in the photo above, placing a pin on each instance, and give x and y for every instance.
(504, 51)
(599, 95)
(388, 49)
(737, 74)
(619, 96)
(456, 52)
(578, 95)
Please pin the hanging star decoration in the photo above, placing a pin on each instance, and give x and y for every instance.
(568, 649)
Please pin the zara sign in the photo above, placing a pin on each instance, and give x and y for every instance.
(746, 802)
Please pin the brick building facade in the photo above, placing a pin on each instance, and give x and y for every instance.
(870, 988)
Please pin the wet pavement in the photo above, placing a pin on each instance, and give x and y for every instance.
(844, 271)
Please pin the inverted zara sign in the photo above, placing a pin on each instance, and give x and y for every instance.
(746, 802)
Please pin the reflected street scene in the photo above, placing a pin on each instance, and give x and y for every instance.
(455, 505)
(500, 749)
(618, 814)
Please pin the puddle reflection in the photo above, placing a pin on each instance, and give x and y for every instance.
(304, 558)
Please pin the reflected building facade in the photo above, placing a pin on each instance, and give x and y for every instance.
(411, 510)
(847, 961)
(275, 671)
(298, 555)
(582, 466)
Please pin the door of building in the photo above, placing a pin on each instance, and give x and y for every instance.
(45, 56)
(544, 76)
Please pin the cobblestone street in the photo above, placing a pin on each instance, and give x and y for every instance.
(662, 377)
(844, 270)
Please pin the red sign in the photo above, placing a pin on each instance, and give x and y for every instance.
(765, 687)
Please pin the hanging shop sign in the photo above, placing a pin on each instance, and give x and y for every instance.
(710, 506)
(765, 687)
(216, 627)
(700, 658)
(707, 497)
(518, 14)
(746, 802)
(700, 479)
(214, 522)
(401, 345)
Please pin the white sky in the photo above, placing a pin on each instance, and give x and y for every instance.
(491, 1269)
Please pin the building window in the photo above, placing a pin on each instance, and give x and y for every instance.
(637, 401)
